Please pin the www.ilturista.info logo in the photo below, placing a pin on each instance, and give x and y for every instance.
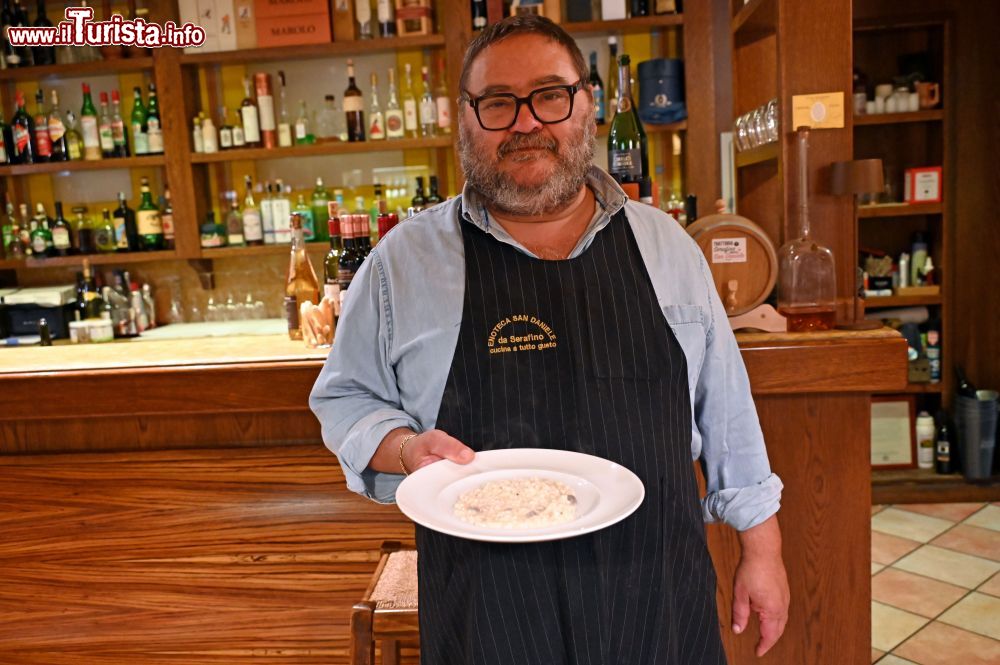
(79, 29)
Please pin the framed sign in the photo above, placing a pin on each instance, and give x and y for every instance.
(893, 432)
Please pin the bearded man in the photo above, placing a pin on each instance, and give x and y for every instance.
(645, 372)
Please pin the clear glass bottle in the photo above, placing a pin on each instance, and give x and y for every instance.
(428, 109)
(411, 122)
(807, 285)
(376, 120)
(253, 229)
(303, 126)
(326, 121)
(234, 222)
(301, 283)
(394, 121)
(284, 124)
(104, 129)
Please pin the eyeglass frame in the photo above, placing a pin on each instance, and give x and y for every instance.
(474, 102)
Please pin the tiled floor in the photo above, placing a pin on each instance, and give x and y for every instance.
(936, 584)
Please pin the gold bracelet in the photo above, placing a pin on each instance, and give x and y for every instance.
(402, 444)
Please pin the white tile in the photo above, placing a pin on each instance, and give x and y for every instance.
(987, 518)
(952, 567)
(894, 660)
(890, 626)
(905, 524)
(876, 567)
(977, 613)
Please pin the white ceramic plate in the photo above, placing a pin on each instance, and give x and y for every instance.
(606, 492)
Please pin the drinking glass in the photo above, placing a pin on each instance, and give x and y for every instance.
(771, 121)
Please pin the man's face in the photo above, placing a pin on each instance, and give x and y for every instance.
(532, 168)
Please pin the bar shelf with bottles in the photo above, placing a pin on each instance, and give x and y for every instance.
(317, 149)
(313, 51)
(77, 69)
(637, 24)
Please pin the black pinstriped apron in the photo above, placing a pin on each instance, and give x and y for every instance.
(572, 355)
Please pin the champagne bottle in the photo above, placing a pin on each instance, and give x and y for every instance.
(394, 121)
(148, 221)
(628, 150)
(597, 86)
(354, 107)
(140, 138)
(301, 283)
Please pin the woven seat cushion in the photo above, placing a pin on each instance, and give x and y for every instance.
(396, 588)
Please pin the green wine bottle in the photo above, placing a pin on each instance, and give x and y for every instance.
(140, 137)
(628, 148)
(90, 126)
(148, 220)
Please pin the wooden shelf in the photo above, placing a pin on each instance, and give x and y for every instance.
(899, 210)
(335, 148)
(755, 20)
(628, 25)
(919, 389)
(102, 259)
(314, 51)
(81, 165)
(261, 250)
(934, 115)
(77, 70)
(926, 486)
(765, 153)
(11, 264)
(671, 128)
(902, 301)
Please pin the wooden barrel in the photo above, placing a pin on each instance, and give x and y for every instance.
(742, 259)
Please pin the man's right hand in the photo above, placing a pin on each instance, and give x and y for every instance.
(434, 446)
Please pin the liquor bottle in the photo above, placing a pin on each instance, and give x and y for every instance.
(25, 228)
(62, 233)
(433, 198)
(478, 14)
(167, 219)
(331, 264)
(265, 110)
(239, 137)
(304, 210)
(419, 202)
(198, 139)
(320, 210)
(363, 14)
(104, 234)
(7, 230)
(284, 125)
(86, 241)
(349, 261)
(89, 127)
(119, 137)
(140, 137)
(611, 94)
(20, 20)
(628, 149)
(639, 8)
(209, 136)
(354, 107)
(303, 126)
(212, 235)
(43, 142)
(410, 121)
(376, 124)
(74, 142)
(267, 214)
(225, 132)
(126, 231)
(41, 234)
(442, 102)
(43, 55)
(104, 131)
(6, 141)
(301, 283)
(154, 130)
(234, 222)
(11, 56)
(964, 387)
(597, 86)
(386, 18)
(281, 212)
(23, 131)
(326, 121)
(428, 109)
(394, 122)
(148, 220)
(251, 120)
(942, 454)
(253, 230)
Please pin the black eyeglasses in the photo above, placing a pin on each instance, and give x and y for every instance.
(549, 105)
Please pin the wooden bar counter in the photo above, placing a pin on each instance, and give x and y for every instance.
(156, 402)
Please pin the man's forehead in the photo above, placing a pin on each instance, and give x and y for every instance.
(511, 64)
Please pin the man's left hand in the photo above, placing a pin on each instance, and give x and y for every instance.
(761, 585)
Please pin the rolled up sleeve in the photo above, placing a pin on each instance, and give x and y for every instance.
(356, 397)
(741, 490)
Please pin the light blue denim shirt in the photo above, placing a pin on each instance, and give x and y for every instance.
(399, 328)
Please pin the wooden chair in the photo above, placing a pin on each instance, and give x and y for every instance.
(388, 612)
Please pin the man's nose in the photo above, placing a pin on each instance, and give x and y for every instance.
(525, 122)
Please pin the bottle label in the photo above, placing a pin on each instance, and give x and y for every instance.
(308, 225)
(384, 11)
(238, 138)
(443, 113)
(154, 135)
(91, 135)
(211, 240)
(252, 228)
(226, 138)
(60, 238)
(599, 108)
(331, 291)
(284, 135)
(140, 140)
(300, 131)
(251, 130)
(625, 163)
(344, 278)
(149, 222)
(3, 160)
(56, 129)
(42, 142)
(235, 238)
(74, 150)
(107, 138)
(117, 132)
(428, 112)
(410, 115)
(104, 238)
(292, 313)
(394, 124)
(38, 244)
(121, 237)
(375, 131)
(265, 106)
(354, 104)
(21, 139)
(167, 221)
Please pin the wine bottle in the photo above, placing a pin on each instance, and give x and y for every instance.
(265, 109)
(433, 197)
(104, 234)
(154, 130)
(62, 233)
(251, 120)
(376, 124)
(320, 203)
(74, 142)
(167, 219)
(331, 264)
(148, 220)
(478, 14)
(410, 121)
(281, 212)
(6, 142)
(942, 452)
(597, 86)
(89, 127)
(23, 130)
(85, 233)
(225, 131)
(354, 107)
(104, 130)
(140, 138)
(628, 150)
(301, 283)
(41, 236)
(394, 121)
(418, 202)
(20, 20)
(126, 231)
(363, 14)
(267, 215)
(11, 55)
(43, 55)
(43, 142)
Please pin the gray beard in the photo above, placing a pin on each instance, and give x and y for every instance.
(502, 193)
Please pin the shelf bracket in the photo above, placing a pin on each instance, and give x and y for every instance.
(206, 272)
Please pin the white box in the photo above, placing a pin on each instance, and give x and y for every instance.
(216, 17)
(612, 10)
